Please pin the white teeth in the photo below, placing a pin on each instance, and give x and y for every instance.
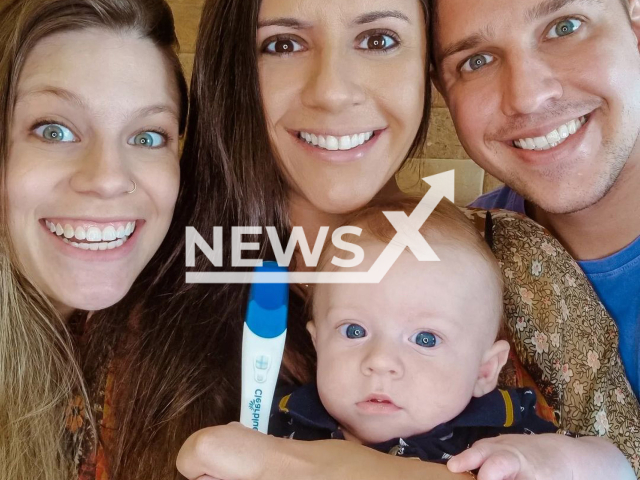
(540, 142)
(563, 131)
(94, 234)
(344, 143)
(106, 239)
(109, 234)
(332, 143)
(552, 139)
(329, 142)
(68, 231)
(80, 233)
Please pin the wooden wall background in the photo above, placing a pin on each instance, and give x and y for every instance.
(443, 151)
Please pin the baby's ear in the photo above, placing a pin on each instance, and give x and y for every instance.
(311, 328)
(492, 362)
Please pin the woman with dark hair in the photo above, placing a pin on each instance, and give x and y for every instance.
(345, 100)
(93, 102)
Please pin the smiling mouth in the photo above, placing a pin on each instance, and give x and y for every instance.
(93, 237)
(333, 143)
(553, 138)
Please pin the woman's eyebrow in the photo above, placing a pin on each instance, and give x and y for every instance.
(378, 15)
(155, 109)
(284, 22)
(61, 93)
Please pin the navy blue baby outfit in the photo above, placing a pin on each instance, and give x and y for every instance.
(301, 415)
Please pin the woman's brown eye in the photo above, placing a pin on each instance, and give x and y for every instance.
(282, 46)
(378, 41)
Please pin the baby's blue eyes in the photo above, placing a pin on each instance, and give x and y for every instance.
(422, 339)
(55, 133)
(353, 330)
(148, 139)
(425, 339)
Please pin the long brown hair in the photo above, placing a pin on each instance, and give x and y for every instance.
(40, 367)
(182, 372)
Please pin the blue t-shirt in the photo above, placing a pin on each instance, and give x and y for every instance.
(616, 280)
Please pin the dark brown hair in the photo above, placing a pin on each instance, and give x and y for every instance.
(181, 369)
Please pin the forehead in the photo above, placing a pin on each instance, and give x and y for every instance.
(105, 69)
(456, 286)
(339, 11)
(488, 19)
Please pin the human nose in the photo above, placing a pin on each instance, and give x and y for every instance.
(382, 359)
(530, 84)
(332, 84)
(102, 172)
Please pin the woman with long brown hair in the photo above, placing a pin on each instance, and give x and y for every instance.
(93, 103)
(298, 120)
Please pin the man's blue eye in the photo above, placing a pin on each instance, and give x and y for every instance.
(378, 41)
(564, 28)
(426, 339)
(55, 133)
(147, 139)
(476, 62)
(353, 330)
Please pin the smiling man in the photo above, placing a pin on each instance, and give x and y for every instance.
(545, 95)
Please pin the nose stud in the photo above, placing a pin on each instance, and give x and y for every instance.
(134, 187)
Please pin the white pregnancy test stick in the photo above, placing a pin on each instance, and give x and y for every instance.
(265, 330)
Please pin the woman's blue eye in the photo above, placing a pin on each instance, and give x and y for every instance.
(378, 41)
(283, 46)
(55, 133)
(426, 339)
(564, 28)
(147, 139)
(476, 62)
(353, 330)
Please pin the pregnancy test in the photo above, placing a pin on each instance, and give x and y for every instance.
(265, 330)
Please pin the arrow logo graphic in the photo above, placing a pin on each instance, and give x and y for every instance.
(407, 236)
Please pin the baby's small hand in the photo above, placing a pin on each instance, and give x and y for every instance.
(514, 457)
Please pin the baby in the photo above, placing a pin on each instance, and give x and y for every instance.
(410, 365)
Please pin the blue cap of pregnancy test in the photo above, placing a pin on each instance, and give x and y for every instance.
(268, 304)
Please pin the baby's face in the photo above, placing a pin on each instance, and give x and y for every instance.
(400, 357)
